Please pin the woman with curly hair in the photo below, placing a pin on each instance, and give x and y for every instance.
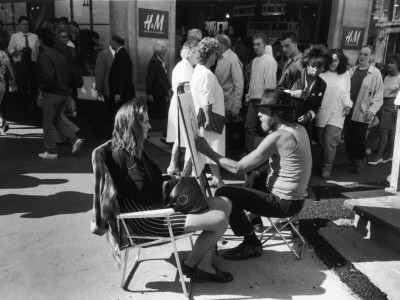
(336, 105)
(208, 95)
(309, 88)
(138, 181)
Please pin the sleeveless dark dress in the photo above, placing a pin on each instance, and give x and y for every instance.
(139, 186)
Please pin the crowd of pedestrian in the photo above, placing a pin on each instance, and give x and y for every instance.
(330, 99)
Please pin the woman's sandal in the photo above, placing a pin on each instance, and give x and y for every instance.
(219, 276)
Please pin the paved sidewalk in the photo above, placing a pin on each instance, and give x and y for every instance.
(48, 251)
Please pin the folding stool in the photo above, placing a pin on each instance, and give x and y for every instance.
(277, 228)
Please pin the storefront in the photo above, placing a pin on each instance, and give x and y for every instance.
(384, 29)
(308, 18)
(345, 24)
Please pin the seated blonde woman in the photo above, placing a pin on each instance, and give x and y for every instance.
(138, 181)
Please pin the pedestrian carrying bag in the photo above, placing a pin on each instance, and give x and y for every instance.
(184, 195)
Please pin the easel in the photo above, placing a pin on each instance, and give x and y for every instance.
(205, 187)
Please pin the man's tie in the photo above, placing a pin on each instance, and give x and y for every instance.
(26, 41)
(27, 51)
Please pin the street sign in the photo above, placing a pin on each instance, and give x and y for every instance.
(153, 23)
(352, 37)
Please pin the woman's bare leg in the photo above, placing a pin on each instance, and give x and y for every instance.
(383, 139)
(213, 224)
(173, 165)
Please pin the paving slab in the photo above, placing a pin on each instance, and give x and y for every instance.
(380, 264)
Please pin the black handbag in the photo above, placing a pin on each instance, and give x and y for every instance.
(184, 195)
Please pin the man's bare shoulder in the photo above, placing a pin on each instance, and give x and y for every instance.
(286, 140)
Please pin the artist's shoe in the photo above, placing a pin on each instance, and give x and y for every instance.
(219, 276)
(77, 146)
(326, 172)
(243, 251)
(47, 155)
(375, 162)
(385, 161)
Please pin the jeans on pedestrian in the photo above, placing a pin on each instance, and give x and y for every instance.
(257, 202)
(329, 137)
(250, 127)
(355, 139)
(53, 107)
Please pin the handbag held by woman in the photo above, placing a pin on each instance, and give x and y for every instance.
(184, 195)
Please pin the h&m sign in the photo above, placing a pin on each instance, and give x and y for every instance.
(352, 37)
(153, 23)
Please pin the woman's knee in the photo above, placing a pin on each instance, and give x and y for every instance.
(220, 203)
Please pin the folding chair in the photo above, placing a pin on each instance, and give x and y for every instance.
(155, 241)
(277, 228)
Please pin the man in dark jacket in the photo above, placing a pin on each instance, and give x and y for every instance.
(158, 85)
(120, 82)
(55, 79)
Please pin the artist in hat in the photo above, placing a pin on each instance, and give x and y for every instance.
(287, 148)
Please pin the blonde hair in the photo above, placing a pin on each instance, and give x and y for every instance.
(128, 132)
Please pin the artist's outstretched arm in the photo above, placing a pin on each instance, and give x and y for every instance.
(250, 162)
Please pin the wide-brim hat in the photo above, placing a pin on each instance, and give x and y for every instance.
(273, 97)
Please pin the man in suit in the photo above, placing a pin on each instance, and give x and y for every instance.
(158, 85)
(120, 82)
(24, 49)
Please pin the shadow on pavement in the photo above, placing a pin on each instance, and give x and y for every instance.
(25, 181)
(45, 206)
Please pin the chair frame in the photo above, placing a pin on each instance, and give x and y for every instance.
(278, 228)
(155, 241)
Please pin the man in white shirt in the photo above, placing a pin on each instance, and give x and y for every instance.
(263, 76)
(24, 48)
(229, 73)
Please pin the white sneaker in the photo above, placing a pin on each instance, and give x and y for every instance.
(77, 146)
(47, 155)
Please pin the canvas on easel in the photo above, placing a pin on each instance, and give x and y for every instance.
(189, 124)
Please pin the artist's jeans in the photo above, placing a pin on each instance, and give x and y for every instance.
(53, 107)
(257, 202)
(329, 137)
(355, 139)
(250, 127)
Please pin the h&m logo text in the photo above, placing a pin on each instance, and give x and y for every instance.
(156, 25)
